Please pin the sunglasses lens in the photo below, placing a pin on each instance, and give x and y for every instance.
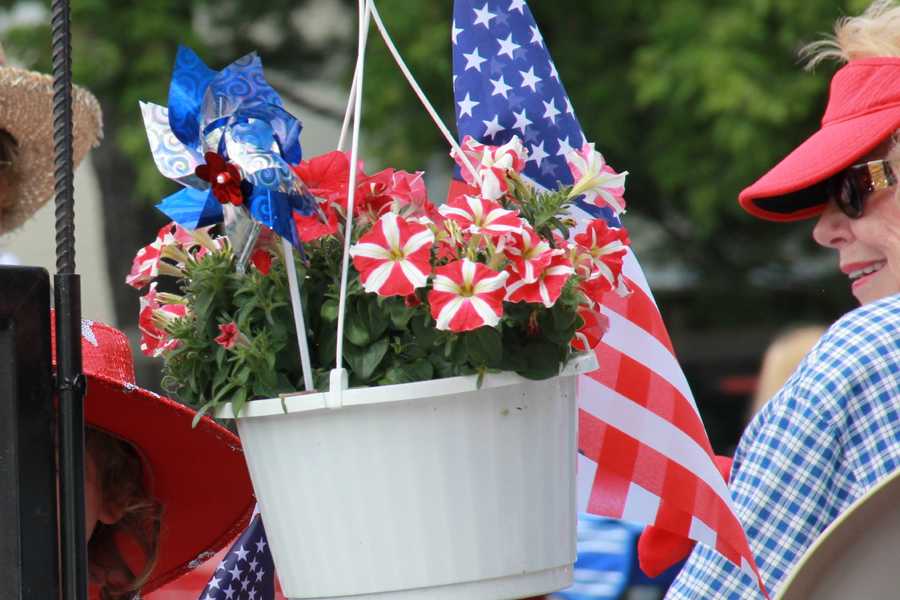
(846, 191)
(849, 197)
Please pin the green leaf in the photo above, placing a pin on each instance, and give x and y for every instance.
(238, 401)
(419, 370)
(484, 347)
(558, 324)
(364, 361)
(202, 411)
(400, 314)
(329, 311)
(423, 329)
(377, 324)
(542, 360)
(356, 325)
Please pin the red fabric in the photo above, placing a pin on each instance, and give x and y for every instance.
(659, 549)
(863, 110)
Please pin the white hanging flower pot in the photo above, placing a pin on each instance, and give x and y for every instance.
(430, 490)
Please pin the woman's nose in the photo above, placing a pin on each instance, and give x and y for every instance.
(832, 230)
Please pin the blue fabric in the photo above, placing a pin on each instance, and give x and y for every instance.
(607, 562)
(830, 434)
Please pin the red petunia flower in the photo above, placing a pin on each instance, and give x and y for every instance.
(603, 249)
(479, 215)
(229, 335)
(312, 227)
(528, 253)
(595, 180)
(224, 177)
(262, 260)
(492, 164)
(547, 288)
(151, 323)
(148, 263)
(595, 326)
(394, 257)
(328, 175)
(466, 295)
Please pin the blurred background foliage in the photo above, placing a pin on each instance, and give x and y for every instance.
(696, 99)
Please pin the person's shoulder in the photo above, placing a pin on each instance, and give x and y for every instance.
(858, 354)
(879, 318)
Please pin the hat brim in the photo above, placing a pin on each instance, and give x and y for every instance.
(26, 112)
(856, 556)
(795, 188)
(199, 475)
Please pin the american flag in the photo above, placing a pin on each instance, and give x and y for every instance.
(644, 455)
(247, 571)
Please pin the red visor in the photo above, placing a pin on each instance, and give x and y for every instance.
(863, 110)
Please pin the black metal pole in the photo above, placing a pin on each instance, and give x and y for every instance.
(70, 380)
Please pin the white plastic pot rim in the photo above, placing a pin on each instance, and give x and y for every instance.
(316, 401)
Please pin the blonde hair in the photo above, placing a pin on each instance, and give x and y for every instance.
(782, 357)
(876, 32)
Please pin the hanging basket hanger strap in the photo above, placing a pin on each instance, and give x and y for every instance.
(367, 13)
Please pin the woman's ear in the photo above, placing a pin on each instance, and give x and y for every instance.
(111, 513)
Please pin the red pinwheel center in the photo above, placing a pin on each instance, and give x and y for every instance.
(224, 177)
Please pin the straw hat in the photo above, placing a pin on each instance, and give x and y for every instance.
(26, 100)
(858, 555)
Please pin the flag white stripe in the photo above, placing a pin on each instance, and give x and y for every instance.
(584, 482)
(634, 342)
(653, 431)
(632, 270)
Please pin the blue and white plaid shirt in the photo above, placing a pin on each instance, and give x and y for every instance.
(830, 434)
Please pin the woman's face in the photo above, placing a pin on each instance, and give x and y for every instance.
(868, 247)
(96, 509)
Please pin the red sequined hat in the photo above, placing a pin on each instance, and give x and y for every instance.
(863, 111)
(199, 475)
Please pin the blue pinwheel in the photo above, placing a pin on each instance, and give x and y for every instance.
(227, 139)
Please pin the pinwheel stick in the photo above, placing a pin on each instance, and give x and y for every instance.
(299, 322)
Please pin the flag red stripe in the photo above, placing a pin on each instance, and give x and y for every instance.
(622, 459)
(640, 309)
(646, 388)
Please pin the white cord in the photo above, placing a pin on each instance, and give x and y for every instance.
(351, 100)
(351, 192)
(299, 322)
(422, 98)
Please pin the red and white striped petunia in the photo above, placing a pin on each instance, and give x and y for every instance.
(466, 295)
(491, 164)
(589, 335)
(548, 286)
(595, 180)
(480, 215)
(528, 253)
(602, 250)
(148, 264)
(394, 257)
(151, 322)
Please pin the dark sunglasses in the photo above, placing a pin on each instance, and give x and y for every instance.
(850, 188)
